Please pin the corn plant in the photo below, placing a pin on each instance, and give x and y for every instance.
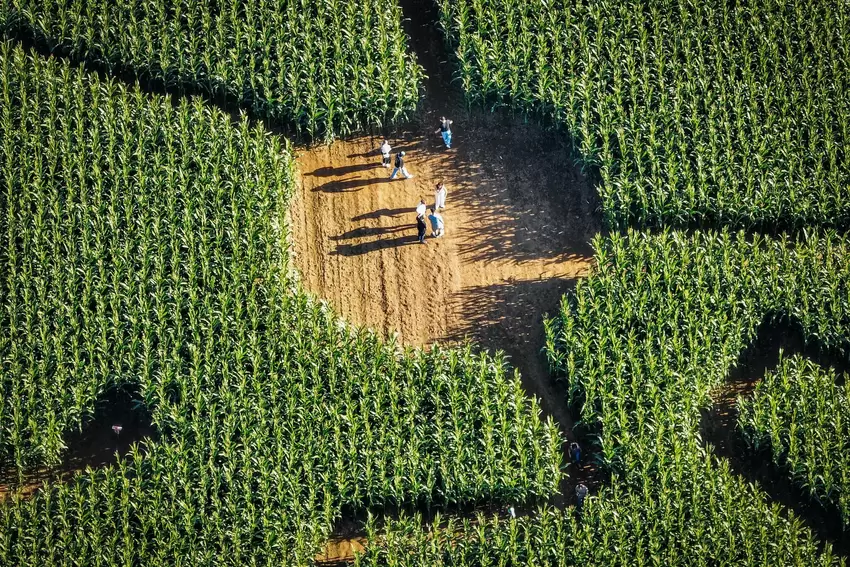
(323, 68)
(718, 113)
(800, 415)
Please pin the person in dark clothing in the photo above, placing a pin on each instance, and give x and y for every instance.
(399, 166)
(581, 494)
(575, 453)
(420, 228)
(445, 130)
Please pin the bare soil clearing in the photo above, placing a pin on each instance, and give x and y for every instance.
(519, 219)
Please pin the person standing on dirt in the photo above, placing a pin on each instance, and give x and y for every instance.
(421, 208)
(399, 166)
(420, 228)
(446, 130)
(440, 196)
(438, 227)
(386, 148)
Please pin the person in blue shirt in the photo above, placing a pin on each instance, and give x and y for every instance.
(438, 227)
(575, 453)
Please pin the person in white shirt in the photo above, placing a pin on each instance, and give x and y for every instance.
(438, 227)
(421, 209)
(385, 153)
(440, 196)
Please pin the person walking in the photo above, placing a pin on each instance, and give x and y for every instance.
(440, 196)
(581, 494)
(438, 227)
(385, 153)
(446, 130)
(421, 209)
(575, 453)
(399, 166)
(420, 228)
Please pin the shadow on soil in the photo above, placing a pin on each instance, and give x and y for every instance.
(347, 185)
(365, 248)
(719, 425)
(97, 445)
(385, 213)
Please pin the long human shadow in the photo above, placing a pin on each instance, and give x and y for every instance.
(384, 213)
(349, 185)
(367, 247)
(120, 420)
(367, 231)
(719, 424)
(338, 171)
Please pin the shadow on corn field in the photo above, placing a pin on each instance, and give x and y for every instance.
(775, 339)
(350, 535)
(119, 422)
(214, 92)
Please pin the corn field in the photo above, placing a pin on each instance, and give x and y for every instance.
(145, 246)
(801, 415)
(707, 113)
(643, 342)
(614, 529)
(323, 68)
(126, 224)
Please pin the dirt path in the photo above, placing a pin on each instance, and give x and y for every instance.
(519, 219)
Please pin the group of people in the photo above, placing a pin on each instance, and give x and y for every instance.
(438, 226)
(445, 130)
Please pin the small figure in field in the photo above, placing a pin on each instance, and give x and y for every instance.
(581, 494)
(446, 130)
(385, 153)
(420, 228)
(399, 166)
(421, 209)
(438, 227)
(575, 453)
(440, 196)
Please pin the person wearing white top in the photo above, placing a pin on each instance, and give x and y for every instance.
(421, 208)
(385, 153)
(440, 196)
